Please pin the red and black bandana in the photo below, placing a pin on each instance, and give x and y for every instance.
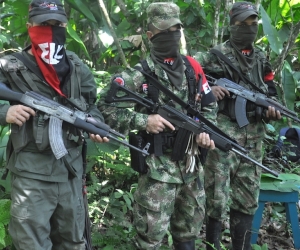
(49, 52)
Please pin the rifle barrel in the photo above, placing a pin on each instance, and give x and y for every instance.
(256, 162)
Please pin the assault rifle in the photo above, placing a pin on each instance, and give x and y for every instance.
(118, 93)
(59, 113)
(243, 95)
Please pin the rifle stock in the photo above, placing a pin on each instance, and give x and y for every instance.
(243, 95)
(178, 118)
(77, 118)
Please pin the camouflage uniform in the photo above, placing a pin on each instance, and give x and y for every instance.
(225, 171)
(229, 179)
(167, 195)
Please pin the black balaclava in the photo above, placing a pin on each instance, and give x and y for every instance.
(165, 51)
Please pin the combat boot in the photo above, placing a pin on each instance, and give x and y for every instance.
(213, 232)
(240, 230)
(187, 245)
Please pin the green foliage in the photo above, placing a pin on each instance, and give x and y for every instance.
(5, 239)
(111, 181)
(111, 191)
(289, 80)
(257, 247)
(271, 32)
(284, 182)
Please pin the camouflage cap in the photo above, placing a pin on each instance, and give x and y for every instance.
(163, 15)
(242, 10)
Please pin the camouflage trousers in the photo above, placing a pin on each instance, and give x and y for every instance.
(160, 206)
(231, 180)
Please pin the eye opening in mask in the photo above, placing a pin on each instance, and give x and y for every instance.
(171, 29)
(247, 24)
(52, 23)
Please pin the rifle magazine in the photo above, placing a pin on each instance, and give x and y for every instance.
(55, 136)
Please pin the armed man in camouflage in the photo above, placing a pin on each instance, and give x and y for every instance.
(225, 171)
(170, 194)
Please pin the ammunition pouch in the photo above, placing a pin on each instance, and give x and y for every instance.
(174, 143)
(34, 135)
(20, 136)
(138, 160)
(34, 131)
(159, 143)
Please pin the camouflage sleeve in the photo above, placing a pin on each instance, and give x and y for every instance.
(210, 64)
(123, 116)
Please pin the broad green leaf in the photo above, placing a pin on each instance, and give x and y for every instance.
(128, 202)
(270, 32)
(2, 235)
(287, 176)
(83, 7)
(5, 214)
(74, 35)
(189, 19)
(281, 186)
(3, 39)
(269, 128)
(94, 148)
(284, 182)
(123, 26)
(120, 191)
(273, 9)
(289, 85)
(256, 247)
(117, 195)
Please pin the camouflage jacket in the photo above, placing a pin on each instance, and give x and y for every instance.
(127, 116)
(213, 65)
(216, 67)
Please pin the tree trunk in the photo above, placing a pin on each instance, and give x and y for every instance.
(216, 23)
(116, 40)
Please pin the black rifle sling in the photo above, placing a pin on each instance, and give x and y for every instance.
(153, 93)
(152, 90)
(190, 76)
(183, 135)
(191, 79)
(226, 60)
(184, 105)
(30, 65)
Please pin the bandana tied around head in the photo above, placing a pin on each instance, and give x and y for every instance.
(48, 50)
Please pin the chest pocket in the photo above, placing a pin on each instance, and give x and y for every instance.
(34, 134)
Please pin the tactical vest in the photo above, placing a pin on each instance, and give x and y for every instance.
(33, 135)
(166, 141)
(189, 74)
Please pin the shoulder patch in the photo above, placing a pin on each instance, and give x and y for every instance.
(120, 80)
(206, 88)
